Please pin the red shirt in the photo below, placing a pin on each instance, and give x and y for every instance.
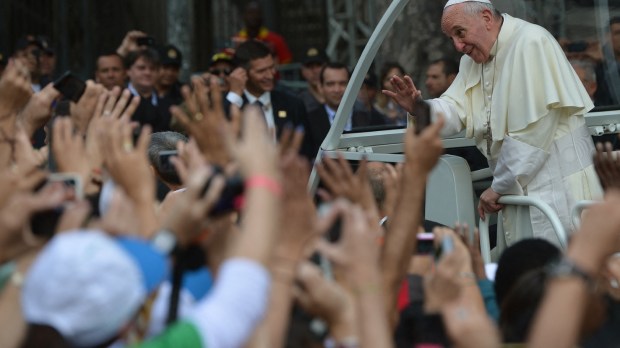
(273, 40)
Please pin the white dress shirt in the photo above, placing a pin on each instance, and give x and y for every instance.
(264, 99)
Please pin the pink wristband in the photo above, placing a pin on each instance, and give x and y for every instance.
(266, 182)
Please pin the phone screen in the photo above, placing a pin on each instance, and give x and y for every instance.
(145, 41)
(422, 113)
(70, 86)
(73, 181)
(426, 242)
(164, 161)
(43, 223)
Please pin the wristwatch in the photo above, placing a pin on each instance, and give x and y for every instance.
(164, 241)
(567, 268)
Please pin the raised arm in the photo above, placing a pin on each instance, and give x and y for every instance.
(421, 155)
(405, 92)
(558, 324)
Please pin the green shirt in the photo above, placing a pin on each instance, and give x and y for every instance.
(180, 335)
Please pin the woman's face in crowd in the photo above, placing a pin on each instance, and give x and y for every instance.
(386, 79)
(470, 33)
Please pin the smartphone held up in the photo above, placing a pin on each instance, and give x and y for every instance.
(70, 86)
(426, 245)
(421, 114)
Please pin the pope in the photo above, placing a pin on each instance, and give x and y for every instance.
(518, 97)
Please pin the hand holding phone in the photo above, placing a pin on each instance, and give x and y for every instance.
(422, 114)
(43, 223)
(164, 161)
(426, 243)
(69, 180)
(70, 86)
(232, 192)
(145, 41)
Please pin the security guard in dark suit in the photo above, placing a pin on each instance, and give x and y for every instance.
(168, 85)
(256, 65)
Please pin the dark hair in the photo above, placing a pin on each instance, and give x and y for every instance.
(519, 259)
(385, 69)
(164, 141)
(148, 54)
(108, 54)
(43, 336)
(520, 305)
(249, 51)
(449, 67)
(39, 335)
(614, 20)
(335, 66)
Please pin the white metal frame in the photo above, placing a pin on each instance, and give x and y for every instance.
(483, 227)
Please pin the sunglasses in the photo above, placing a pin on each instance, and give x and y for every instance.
(220, 71)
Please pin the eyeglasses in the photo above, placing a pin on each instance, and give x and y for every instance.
(220, 71)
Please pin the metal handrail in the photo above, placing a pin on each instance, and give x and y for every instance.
(485, 245)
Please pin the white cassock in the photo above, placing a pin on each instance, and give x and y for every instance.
(540, 145)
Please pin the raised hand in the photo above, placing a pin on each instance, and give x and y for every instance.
(237, 80)
(110, 106)
(405, 92)
(327, 300)
(423, 150)
(298, 226)
(129, 167)
(473, 244)
(597, 239)
(357, 256)
(391, 185)
(83, 111)
(207, 120)
(255, 152)
(68, 149)
(191, 208)
(17, 212)
(38, 110)
(130, 42)
(25, 158)
(15, 88)
(442, 286)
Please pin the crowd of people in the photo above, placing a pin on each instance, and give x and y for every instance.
(231, 250)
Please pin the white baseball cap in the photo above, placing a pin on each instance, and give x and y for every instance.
(88, 285)
(454, 2)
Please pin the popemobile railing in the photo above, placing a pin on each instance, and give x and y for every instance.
(483, 226)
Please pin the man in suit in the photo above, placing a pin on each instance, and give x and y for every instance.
(142, 70)
(334, 79)
(256, 66)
